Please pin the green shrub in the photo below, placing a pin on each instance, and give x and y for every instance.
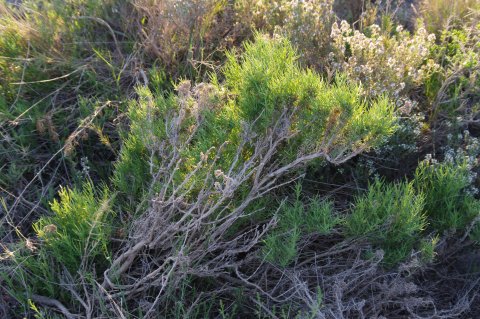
(203, 157)
(77, 233)
(391, 216)
(448, 205)
(453, 88)
(267, 80)
(294, 221)
(264, 84)
(72, 241)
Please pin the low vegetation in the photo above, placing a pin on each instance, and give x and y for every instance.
(239, 159)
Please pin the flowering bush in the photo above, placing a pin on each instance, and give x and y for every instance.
(383, 62)
(307, 24)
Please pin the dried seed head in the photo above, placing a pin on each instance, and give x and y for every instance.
(183, 89)
(50, 228)
(40, 125)
(218, 173)
(51, 129)
(29, 244)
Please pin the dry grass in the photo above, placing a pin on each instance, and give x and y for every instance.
(441, 14)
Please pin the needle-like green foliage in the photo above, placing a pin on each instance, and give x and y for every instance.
(294, 220)
(448, 205)
(77, 232)
(391, 216)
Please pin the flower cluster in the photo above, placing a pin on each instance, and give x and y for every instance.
(386, 63)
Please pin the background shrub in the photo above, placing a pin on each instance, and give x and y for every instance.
(385, 60)
(443, 14)
(453, 89)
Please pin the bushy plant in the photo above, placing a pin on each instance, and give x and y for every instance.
(448, 205)
(384, 60)
(71, 243)
(78, 230)
(214, 149)
(307, 25)
(267, 80)
(295, 220)
(453, 88)
(265, 84)
(391, 216)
